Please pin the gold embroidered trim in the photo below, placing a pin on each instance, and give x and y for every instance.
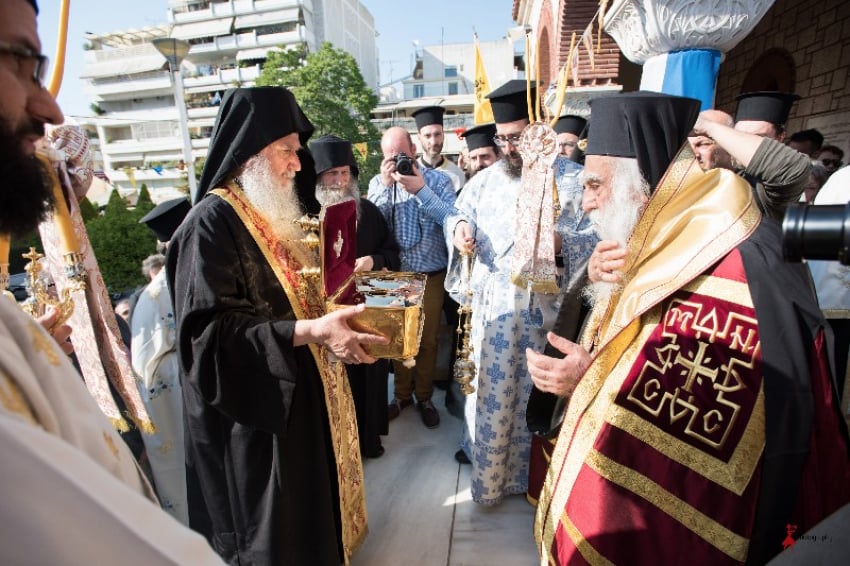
(733, 291)
(667, 250)
(584, 547)
(42, 342)
(734, 475)
(726, 541)
(340, 406)
(13, 399)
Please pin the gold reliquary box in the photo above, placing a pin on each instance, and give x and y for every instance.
(393, 299)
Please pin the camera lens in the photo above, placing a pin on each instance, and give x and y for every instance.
(816, 232)
(403, 164)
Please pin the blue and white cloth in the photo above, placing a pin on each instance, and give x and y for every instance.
(417, 220)
(506, 320)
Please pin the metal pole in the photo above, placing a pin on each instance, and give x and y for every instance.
(184, 130)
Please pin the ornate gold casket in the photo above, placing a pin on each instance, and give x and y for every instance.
(393, 299)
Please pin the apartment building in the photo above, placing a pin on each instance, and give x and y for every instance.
(136, 128)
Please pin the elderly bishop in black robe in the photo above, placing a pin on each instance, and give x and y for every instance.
(272, 455)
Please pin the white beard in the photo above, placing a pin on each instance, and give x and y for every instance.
(332, 194)
(276, 202)
(617, 220)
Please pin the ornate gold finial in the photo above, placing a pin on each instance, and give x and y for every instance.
(311, 240)
(308, 223)
(39, 293)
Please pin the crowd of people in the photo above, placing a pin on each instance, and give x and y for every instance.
(648, 370)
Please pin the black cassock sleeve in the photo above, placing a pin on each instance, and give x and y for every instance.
(234, 323)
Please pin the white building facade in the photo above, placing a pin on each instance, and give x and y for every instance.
(444, 75)
(139, 137)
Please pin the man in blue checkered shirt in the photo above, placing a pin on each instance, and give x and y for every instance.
(415, 207)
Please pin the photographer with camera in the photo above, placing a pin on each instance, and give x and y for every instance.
(415, 203)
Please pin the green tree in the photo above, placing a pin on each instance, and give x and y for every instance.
(88, 210)
(144, 204)
(120, 243)
(331, 91)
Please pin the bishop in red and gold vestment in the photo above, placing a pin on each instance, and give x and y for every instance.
(706, 419)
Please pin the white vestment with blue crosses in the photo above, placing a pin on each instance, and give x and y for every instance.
(505, 321)
(154, 355)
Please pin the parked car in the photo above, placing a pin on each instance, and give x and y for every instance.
(18, 286)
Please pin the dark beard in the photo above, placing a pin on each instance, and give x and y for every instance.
(26, 198)
(513, 165)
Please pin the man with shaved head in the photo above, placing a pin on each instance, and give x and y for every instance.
(415, 202)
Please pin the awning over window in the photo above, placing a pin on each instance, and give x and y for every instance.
(124, 66)
(266, 18)
(257, 53)
(209, 28)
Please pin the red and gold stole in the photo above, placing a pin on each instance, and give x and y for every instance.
(664, 433)
(308, 303)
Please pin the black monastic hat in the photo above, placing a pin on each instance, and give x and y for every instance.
(570, 124)
(480, 136)
(166, 217)
(428, 116)
(765, 106)
(248, 120)
(649, 126)
(510, 102)
(333, 151)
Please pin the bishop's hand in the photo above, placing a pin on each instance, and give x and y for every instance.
(333, 332)
(558, 375)
(606, 261)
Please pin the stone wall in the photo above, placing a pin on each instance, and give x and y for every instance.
(811, 37)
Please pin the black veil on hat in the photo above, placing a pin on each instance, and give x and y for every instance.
(570, 124)
(480, 136)
(428, 116)
(765, 106)
(166, 217)
(305, 182)
(510, 101)
(649, 126)
(34, 6)
(248, 120)
(332, 151)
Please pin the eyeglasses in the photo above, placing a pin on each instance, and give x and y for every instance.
(831, 162)
(502, 140)
(39, 71)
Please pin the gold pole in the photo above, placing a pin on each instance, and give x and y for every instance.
(59, 58)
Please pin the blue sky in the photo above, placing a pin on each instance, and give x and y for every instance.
(399, 24)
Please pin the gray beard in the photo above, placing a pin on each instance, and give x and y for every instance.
(274, 199)
(332, 194)
(616, 221)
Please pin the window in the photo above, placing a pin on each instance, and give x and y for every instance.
(452, 88)
(450, 72)
(418, 91)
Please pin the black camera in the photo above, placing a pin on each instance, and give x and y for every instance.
(403, 164)
(816, 232)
